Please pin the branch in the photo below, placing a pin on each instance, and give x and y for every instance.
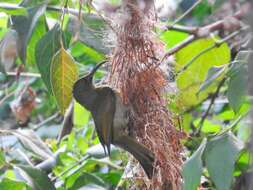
(214, 96)
(227, 24)
(79, 162)
(14, 74)
(46, 121)
(7, 97)
(187, 12)
(68, 124)
(74, 12)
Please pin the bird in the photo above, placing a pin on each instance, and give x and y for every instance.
(111, 119)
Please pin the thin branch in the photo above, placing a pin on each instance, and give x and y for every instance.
(185, 29)
(67, 124)
(178, 47)
(35, 75)
(205, 31)
(46, 121)
(214, 96)
(71, 167)
(74, 12)
(6, 97)
(187, 12)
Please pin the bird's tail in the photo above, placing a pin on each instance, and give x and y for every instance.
(139, 151)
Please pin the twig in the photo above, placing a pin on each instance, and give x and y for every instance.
(35, 75)
(205, 31)
(229, 127)
(74, 12)
(178, 47)
(67, 124)
(214, 96)
(187, 12)
(71, 167)
(46, 121)
(6, 97)
(24, 156)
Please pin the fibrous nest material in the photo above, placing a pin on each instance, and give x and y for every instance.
(137, 74)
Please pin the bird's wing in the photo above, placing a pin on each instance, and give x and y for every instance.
(104, 115)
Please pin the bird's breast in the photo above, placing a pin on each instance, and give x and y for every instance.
(121, 118)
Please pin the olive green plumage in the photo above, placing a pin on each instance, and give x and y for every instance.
(111, 119)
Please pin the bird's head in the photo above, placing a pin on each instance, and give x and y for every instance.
(83, 89)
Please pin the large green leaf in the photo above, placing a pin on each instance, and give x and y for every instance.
(87, 178)
(36, 178)
(238, 80)
(81, 115)
(190, 80)
(24, 25)
(237, 88)
(8, 184)
(12, 9)
(39, 31)
(220, 156)
(45, 49)
(172, 38)
(64, 73)
(192, 169)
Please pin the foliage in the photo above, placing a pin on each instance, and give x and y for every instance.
(52, 47)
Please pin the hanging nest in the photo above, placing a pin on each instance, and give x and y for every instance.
(137, 74)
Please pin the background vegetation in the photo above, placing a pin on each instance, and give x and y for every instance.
(41, 149)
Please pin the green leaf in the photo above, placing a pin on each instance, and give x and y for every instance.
(113, 177)
(8, 184)
(213, 73)
(24, 25)
(12, 9)
(36, 178)
(85, 55)
(190, 80)
(172, 38)
(237, 87)
(81, 115)
(192, 169)
(208, 126)
(45, 49)
(220, 156)
(87, 178)
(2, 159)
(39, 31)
(64, 73)
(92, 187)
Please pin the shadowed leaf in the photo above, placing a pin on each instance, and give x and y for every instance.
(220, 156)
(24, 25)
(45, 49)
(192, 169)
(36, 178)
